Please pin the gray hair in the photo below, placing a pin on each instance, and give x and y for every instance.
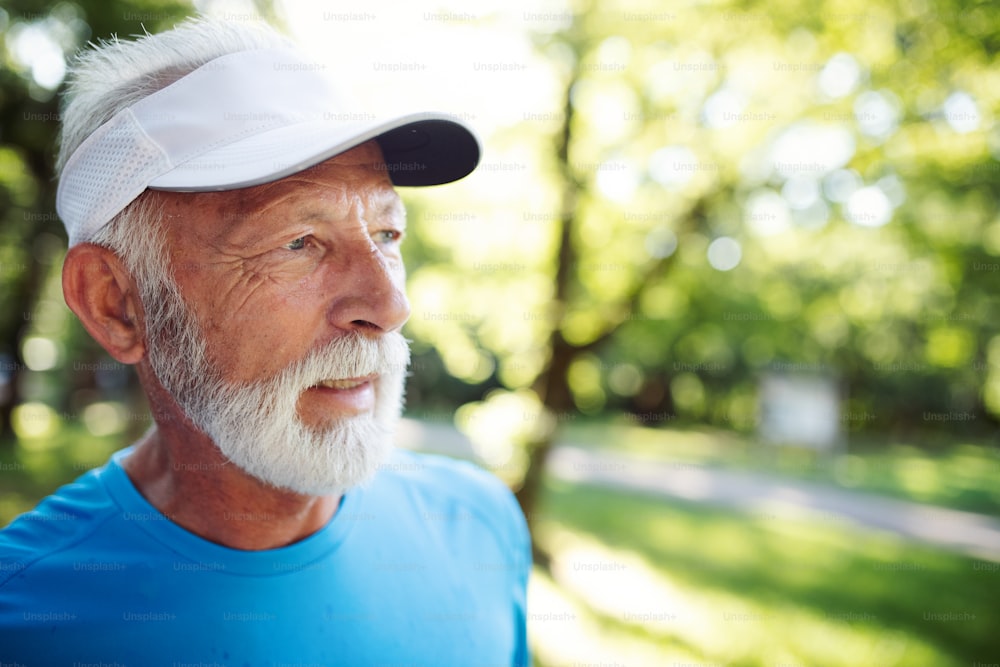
(114, 75)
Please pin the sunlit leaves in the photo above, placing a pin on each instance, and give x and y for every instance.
(950, 346)
(18, 187)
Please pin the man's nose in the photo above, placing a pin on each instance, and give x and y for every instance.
(370, 289)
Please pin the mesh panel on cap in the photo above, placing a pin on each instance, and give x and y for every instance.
(107, 171)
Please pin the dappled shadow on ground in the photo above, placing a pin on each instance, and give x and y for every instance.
(709, 585)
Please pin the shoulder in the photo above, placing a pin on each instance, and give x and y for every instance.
(447, 480)
(457, 489)
(60, 521)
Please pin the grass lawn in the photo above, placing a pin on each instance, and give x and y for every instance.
(638, 580)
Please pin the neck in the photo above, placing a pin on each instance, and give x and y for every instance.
(181, 472)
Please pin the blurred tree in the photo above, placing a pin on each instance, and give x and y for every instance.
(734, 190)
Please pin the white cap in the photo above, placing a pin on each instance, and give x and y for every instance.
(244, 119)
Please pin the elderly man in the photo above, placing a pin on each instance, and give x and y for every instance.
(235, 234)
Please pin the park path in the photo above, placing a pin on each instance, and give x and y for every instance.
(758, 494)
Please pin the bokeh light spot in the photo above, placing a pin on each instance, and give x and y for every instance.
(40, 354)
(724, 253)
(839, 76)
(961, 112)
(868, 207)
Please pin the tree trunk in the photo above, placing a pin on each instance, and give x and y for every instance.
(553, 385)
(558, 400)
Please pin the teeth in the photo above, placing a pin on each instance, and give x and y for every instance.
(341, 384)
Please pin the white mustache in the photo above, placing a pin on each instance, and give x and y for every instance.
(351, 356)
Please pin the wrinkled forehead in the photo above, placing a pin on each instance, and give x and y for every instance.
(354, 183)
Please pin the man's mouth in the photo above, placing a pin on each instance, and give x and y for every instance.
(349, 383)
(339, 396)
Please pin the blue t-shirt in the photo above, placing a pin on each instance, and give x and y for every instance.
(427, 565)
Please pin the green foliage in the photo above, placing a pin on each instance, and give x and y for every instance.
(847, 150)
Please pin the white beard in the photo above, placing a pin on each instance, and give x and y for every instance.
(256, 425)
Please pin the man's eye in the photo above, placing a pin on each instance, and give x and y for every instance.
(297, 244)
(388, 236)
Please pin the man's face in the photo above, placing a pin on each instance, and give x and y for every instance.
(286, 350)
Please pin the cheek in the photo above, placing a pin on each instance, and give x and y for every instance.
(252, 330)
(243, 300)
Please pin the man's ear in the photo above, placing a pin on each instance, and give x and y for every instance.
(100, 290)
